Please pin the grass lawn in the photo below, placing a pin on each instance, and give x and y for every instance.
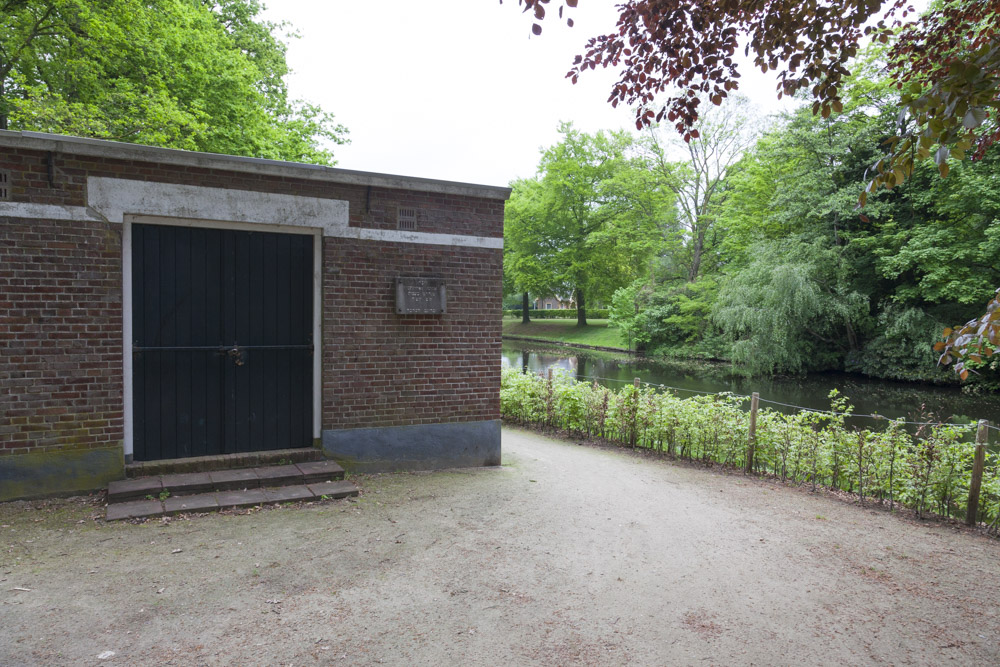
(597, 332)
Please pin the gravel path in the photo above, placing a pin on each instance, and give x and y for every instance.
(565, 555)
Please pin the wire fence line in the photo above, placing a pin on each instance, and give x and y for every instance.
(937, 469)
(655, 384)
(875, 416)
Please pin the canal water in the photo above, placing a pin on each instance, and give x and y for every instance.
(913, 402)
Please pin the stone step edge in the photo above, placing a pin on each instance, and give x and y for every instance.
(211, 502)
(221, 462)
(219, 481)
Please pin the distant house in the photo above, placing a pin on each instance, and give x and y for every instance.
(554, 303)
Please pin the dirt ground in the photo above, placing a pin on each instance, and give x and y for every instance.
(565, 555)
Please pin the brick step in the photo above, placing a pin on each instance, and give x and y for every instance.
(223, 462)
(160, 487)
(212, 502)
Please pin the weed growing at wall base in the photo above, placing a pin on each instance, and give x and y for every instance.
(927, 471)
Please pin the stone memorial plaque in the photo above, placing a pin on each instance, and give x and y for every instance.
(420, 296)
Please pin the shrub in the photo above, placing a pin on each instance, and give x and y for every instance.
(558, 314)
(928, 470)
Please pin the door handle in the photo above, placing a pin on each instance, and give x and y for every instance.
(236, 354)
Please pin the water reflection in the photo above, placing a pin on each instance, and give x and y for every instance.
(914, 402)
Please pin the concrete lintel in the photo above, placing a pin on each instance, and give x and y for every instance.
(113, 198)
(115, 150)
(30, 211)
(419, 447)
(399, 236)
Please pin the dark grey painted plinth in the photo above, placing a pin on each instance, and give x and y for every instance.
(424, 447)
(60, 472)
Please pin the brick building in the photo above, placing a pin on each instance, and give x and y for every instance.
(554, 302)
(160, 304)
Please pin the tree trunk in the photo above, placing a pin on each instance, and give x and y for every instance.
(852, 337)
(581, 308)
(525, 303)
(3, 113)
(697, 250)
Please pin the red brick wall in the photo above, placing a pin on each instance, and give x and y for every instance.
(385, 369)
(60, 335)
(436, 213)
(373, 208)
(60, 307)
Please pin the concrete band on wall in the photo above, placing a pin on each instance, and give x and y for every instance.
(111, 199)
(420, 447)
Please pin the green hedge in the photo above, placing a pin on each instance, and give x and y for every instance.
(558, 314)
(928, 472)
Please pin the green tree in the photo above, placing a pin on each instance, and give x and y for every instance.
(669, 307)
(719, 139)
(527, 254)
(940, 254)
(205, 76)
(790, 309)
(586, 224)
(925, 255)
(945, 66)
(806, 172)
(667, 318)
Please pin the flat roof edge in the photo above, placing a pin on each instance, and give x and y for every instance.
(137, 152)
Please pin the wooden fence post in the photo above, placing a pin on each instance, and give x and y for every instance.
(978, 463)
(550, 373)
(634, 435)
(752, 440)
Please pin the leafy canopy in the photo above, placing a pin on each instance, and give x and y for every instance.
(204, 76)
(945, 66)
(586, 224)
(697, 181)
(790, 308)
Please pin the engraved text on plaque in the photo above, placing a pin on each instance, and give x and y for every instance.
(420, 296)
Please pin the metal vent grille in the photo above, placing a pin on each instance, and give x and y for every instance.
(4, 185)
(406, 218)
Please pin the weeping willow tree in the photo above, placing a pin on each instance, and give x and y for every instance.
(789, 310)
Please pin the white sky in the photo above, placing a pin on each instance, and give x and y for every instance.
(455, 89)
